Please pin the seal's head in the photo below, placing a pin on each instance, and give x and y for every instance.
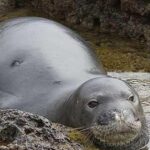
(111, 110)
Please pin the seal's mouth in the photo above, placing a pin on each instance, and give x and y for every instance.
(117, 133)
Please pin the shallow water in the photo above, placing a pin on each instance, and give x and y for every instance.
(141, 83)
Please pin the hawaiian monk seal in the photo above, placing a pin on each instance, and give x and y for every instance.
(47, 69)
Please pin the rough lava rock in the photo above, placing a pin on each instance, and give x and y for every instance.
(6, 5)
(147, 35)
(56, 9)
(25, 131)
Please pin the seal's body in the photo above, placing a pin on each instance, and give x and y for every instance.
(49, 70)
(48, 61)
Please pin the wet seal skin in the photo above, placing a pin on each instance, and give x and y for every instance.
(49, 70)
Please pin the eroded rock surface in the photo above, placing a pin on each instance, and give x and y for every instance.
(6, 5)
(56, 9)
(25, 131)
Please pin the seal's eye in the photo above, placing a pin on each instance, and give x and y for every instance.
(131, 98)
(93, 104)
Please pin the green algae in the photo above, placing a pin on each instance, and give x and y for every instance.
(119, 53)
(83, 139)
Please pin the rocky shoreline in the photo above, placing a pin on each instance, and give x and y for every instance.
(25, 131)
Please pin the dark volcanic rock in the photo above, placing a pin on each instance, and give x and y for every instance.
(6, 5)
(57, 9)
(25, 131)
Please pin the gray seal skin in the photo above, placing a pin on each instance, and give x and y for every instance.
(47, 69)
